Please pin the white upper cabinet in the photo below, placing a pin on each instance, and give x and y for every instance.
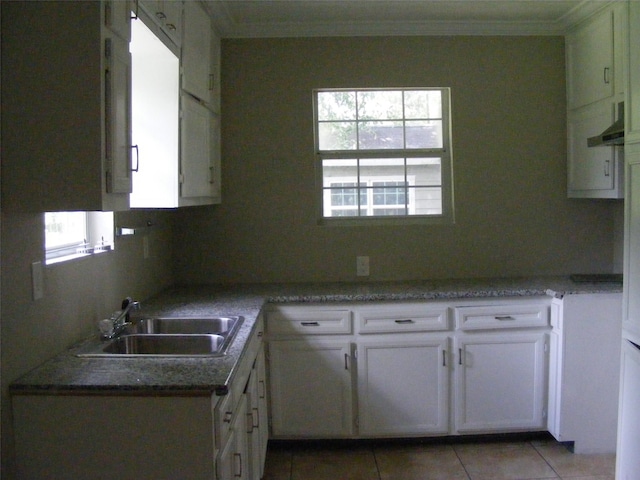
(590, 65)
(632, 88)
(66, 106)
(595, 52)
(199, 154)
(167, 14)
(593, 172)
(197, 53)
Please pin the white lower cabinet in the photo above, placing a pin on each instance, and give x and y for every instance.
(403, 385)
(311, 388)
(233, 459)
(500, 382)
(391, 375)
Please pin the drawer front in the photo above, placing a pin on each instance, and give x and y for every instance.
(502, 316)
(308, 321)
(413, 317)
(224, 414)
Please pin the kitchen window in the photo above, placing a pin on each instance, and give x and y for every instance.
(383, 155)
(70, 235)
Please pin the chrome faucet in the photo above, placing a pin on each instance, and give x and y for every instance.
(120, 319)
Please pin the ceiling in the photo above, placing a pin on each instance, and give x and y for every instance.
(295, 18)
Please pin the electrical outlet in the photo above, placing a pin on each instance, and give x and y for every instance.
(362, 266)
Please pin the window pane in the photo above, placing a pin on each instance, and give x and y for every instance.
(380, 135)
(337, 135)
(343, 170)
(424, 134)
(428, 201)
(378, 168)
(422, 104)
(425, 171)
(64, 228)
(380, 105)
(336, 106)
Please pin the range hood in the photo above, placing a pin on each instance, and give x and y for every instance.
(614, 135)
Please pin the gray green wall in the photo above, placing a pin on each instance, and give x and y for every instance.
(508, 114)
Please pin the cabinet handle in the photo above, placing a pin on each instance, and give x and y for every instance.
(238, 456)
(263, 390)
(171, 27)
(212, 79)
(459, 356)
(310, 324)
(444, 358)
(161, 16)
(606, 75)
(256, 418)
(346, 361)
(607, 171)
(249, 422)
(227, 416)
(135, 147)
(211, 180)
(504, 318)
(405, 320)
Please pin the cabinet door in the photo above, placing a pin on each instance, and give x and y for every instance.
(628, 460)
(403, 385)
(310, 388)
(590, 61)
(500, 382)
(118, 115)
(196, 52)
(263, 414)
(233, 460)
(632, 99)
(594, 172)
(197, 134)
(258, 416)
(631, 294)
(118, 17)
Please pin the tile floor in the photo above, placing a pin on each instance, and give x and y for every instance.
(487, 460)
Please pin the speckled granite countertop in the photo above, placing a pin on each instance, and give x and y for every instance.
(68, 373)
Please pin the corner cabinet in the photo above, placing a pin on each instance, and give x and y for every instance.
(402, 369)
(66, 120)
(595, 85)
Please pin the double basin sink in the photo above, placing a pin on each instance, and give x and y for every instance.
(170, 337)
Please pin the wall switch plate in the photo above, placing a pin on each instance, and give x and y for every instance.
(37, 280)
(362, 266)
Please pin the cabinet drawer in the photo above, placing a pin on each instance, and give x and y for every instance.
(502, 316)
(308, 321)
(223, 414)
(413, 317)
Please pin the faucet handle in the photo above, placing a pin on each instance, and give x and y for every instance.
(126, 302)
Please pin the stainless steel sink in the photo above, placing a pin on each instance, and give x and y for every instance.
(185, 325)
(144, 344)
(170, 337)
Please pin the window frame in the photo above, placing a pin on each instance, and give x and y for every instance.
(444, 154)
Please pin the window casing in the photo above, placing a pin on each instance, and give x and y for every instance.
(383, 155)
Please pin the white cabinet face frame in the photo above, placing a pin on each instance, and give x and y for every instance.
(500, 382)
(403, 385)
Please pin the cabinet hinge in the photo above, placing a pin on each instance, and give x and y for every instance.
(546, 347)
(181, 178)
(355, 353)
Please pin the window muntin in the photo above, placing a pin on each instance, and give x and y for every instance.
(386, 145)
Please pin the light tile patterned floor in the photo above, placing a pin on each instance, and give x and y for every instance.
(497, 460)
